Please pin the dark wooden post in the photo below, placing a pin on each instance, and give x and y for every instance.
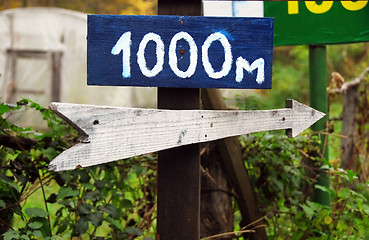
(350, 106)
(233, 162)
(179, 168)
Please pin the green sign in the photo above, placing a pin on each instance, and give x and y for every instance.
(318, 22)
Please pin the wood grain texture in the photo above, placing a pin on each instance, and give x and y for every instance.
(349, 113)
(179, 175)
(112, 133)
(250, 38)
(179, 168)
(216, 195)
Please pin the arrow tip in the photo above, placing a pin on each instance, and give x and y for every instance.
(303, 117)
(64, 111)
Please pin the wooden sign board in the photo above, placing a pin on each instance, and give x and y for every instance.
(118, 133)
(180, 51)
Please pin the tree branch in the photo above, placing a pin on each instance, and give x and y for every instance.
(350, 84)
(18, 143)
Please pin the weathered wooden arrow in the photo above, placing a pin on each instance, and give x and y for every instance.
(113, 133)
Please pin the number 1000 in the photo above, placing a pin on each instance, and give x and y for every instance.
(124, 45)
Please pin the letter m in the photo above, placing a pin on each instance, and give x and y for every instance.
(242, 64)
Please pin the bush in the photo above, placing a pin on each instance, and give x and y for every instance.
(118, 200)
(115, 199)
(283, 172)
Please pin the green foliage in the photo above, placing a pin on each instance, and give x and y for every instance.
(283, 172)
(111, 201)
(109, 194)
(290, 80)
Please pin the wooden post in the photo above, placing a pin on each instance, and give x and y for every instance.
(350, 106)
(179, 168)
(232, 158)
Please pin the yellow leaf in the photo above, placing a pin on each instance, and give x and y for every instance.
(327, 220)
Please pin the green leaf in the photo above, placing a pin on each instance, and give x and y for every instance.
(326, 189)
(297, 235)
(35, 225)
(38, 234)
(84, 177)
(55, 238)
(35, 153)
(115, 223)
(351, 175)
(4, 108)
(308, 210)
(50, 153)
(341, 226)
(66, 192)
(2, 204)
(110, 209)
(84, 209)
(315, 206)
(100, 184)
(96, 219)
(63, 226)
(366, 209)
(344, 193)
(93, 196)
(25, 237)
(88, 185)
(80, 227)
(138, 169)
(126, 203)
(36, 212)
(134, 231)
(10, 184)
(12, 234)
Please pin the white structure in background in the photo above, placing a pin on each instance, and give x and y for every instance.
(43, 55)
(233, 8)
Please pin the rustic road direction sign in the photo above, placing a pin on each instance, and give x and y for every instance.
(113, 133)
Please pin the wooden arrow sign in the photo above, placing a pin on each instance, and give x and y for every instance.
(113, 133)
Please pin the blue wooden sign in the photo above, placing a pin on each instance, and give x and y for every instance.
(180, 51)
